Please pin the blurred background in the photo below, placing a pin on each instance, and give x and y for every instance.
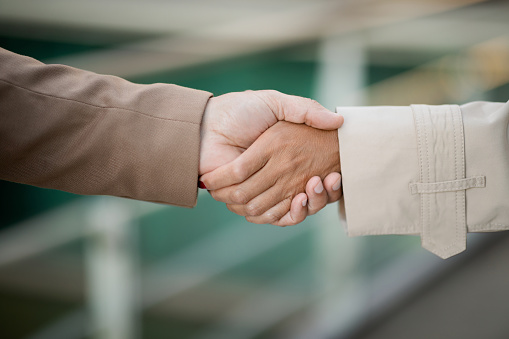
(102, 267)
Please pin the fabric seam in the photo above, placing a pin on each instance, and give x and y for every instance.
(96, 106)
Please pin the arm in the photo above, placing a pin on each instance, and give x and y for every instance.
(85, 133)
(437, 171)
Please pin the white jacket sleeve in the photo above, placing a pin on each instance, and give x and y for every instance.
(436, 171)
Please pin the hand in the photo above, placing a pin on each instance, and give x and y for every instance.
(315, 198)
(262, 182)
(233, 121)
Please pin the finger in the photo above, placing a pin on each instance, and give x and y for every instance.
(255, 195)
(317, 195)
(332, 184)
(236, 171)
(261, 203)
(237, 209)
(272, 215)
(297, 213)
(304, 110)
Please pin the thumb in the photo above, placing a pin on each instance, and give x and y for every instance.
(238, 170)
(304, 110)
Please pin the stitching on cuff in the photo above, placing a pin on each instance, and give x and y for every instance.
(448, 186)
(442, 124)
(489, 227)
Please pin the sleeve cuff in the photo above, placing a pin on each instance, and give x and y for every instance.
(378, 153)
(403, 172)
(173, 148)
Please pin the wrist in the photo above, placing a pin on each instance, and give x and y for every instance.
(333, 151)
(205, 134)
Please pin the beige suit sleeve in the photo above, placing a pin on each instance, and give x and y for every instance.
(436, 171)
(85, 133)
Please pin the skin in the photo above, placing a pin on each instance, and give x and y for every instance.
(266, 183)
(234, 121)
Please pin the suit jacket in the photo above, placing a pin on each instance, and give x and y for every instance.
(73, 130)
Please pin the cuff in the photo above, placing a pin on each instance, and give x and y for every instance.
(161, 150)
(175, 141)
(403, 172)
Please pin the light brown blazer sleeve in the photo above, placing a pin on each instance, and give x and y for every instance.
(77, 131)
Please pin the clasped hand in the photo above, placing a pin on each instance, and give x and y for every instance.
(267, 169)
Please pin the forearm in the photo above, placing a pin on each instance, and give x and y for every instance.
(437, 171)
(77, 131)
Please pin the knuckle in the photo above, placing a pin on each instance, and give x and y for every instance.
(238, 172)
(312, 105)
(239, 197)
(271, 92)
(271, 218)
(253, 210)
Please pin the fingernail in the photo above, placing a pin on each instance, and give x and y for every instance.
(319, 188)
(201, 185)
(337, 185)
(304, 202)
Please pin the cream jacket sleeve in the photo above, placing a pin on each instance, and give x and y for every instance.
(85, 133)
(436, 171)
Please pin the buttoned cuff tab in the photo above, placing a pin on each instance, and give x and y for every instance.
(441, 154)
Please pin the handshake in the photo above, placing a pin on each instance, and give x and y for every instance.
(271, 157)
